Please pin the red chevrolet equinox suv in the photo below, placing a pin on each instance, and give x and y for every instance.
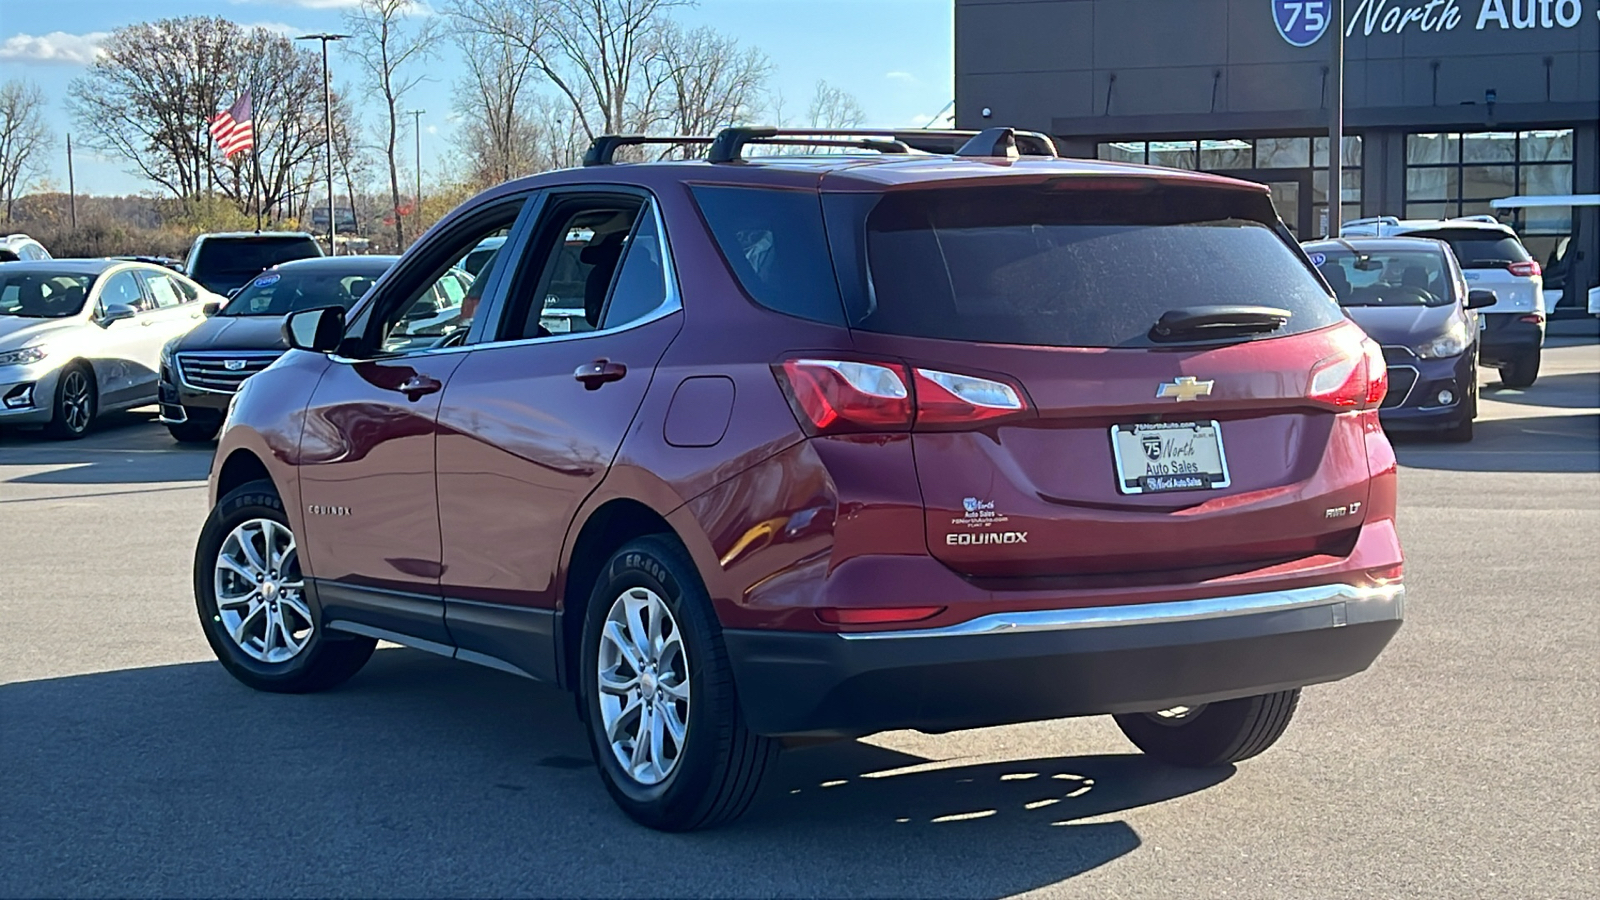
(881, 431)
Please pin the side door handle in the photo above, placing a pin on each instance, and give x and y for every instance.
(599, 372)
(417, 386)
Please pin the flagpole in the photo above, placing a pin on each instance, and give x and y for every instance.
(260, 187)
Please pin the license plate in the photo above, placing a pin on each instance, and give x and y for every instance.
(1169, 456)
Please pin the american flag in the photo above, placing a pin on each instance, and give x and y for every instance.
(232, 128)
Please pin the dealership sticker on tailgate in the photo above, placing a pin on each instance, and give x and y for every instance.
(1169, 456)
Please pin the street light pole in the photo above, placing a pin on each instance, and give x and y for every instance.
(416, 131)
(1336, 122)
(327, 111)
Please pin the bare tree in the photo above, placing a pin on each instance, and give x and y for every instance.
(151, 94)
(494, 102)
(833, 107)
(23, 137)
(708, 81)
(390, 44)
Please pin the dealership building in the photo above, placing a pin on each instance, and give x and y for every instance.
(1449, 104)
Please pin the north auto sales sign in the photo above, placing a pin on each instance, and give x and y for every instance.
(1303, 22)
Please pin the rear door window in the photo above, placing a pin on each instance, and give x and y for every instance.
(1478, 248)
(1057, 266)
(774, 242)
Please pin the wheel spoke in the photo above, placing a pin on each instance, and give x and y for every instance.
(675, 726)
(612, 682)
(227, 562)
(677, 690)
(658, 734)
(238, 631)
(614, 728)
(248, 548)
(657, 612)
(634, 609)
(300, 607)
(615, 634)
(240, 600)
(641, 742)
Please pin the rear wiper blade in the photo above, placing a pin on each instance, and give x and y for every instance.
(1217, 321)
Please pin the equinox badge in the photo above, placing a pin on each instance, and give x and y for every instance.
(1185, 387)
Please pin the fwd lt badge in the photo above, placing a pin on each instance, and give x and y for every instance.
(1185, 387)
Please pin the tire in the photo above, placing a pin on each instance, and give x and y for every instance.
(73, 409)
(320, 660)
(1215, 734)
(196, 429)
(716, 770)
(1522, 371)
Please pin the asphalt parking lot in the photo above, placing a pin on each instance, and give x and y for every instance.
(1463, 765)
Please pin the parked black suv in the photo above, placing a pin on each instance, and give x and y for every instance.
(201, 370)
(224, 262)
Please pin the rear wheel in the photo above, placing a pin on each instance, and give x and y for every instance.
(73, 408)
(262, 623)
(668, 736)
(1214, 734)
(1522, 371)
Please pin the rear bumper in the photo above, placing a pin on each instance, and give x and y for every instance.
(1028, 666)
(1506, 337)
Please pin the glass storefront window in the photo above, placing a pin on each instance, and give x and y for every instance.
(1433, 184)
(1547, 220)
(1489, 147)
(1432, 149)
(1122, 151)
(1283, 153)
(1551, 145)
(1545, 179)
(1173, 154)
(1487, 182)
(1350, 144)
(1226, 154)
(1350, 182)
(1430, 210)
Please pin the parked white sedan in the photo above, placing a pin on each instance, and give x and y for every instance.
(81, 337)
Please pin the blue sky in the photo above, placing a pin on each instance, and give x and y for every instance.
(894, 55)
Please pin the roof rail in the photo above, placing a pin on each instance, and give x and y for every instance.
(1477, 218)
(730, 142)
(1375, 220)
(604, 148)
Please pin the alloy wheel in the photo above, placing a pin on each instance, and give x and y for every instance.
(261, 593)
(643, 681)
(76, 400)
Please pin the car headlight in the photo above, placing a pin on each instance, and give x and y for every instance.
(1454, 340)
(23, 356)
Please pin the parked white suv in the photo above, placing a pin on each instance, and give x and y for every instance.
(19, 246)
(1492, 259)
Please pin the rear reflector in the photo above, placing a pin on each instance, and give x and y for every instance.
(1354, 381)
(1533, 319)
(1525, 269)
(831, 396)
(877, 616)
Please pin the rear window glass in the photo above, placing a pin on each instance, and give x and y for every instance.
(1386, 277)
(1052, 267)
(1479, 249)
(239, 258)
(774, 242)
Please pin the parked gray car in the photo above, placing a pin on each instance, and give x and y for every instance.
(81, 337)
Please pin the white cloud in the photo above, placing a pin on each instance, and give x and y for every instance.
(902, 77)
(55, 47)
(306, 4)
(431, 129)
(280, 28)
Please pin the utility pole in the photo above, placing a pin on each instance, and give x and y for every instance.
(1336, 121)
(327, 111)
(72, 188)
(416, 201)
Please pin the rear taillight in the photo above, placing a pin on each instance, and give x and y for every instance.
(833, 396)
(1387, 574)
(1532, 319)
(1351, 381)
(1525, 269)
(838, 396)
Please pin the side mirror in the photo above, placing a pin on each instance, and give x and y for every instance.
(115, 312)
(1480, 299)
(212, 307)
(318, 330)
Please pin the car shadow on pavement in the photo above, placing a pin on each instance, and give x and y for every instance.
(424, 776)
(1568, 390)
(1557, 443)
(123, 448)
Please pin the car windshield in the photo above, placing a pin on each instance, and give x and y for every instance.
(1479, 248)
(224, 263)
(42, 295)
(280, 293)
(1386, 277)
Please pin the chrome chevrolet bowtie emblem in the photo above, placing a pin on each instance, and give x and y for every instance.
(1185, 387)
(234, 365)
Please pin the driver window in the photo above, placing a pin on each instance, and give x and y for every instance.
(123, 288)
(601, 267)
(441, 313)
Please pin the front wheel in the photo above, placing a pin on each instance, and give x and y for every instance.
(1522, 371)
(664, 721)
(1213, 734)
(261, 622)
(73, 408)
